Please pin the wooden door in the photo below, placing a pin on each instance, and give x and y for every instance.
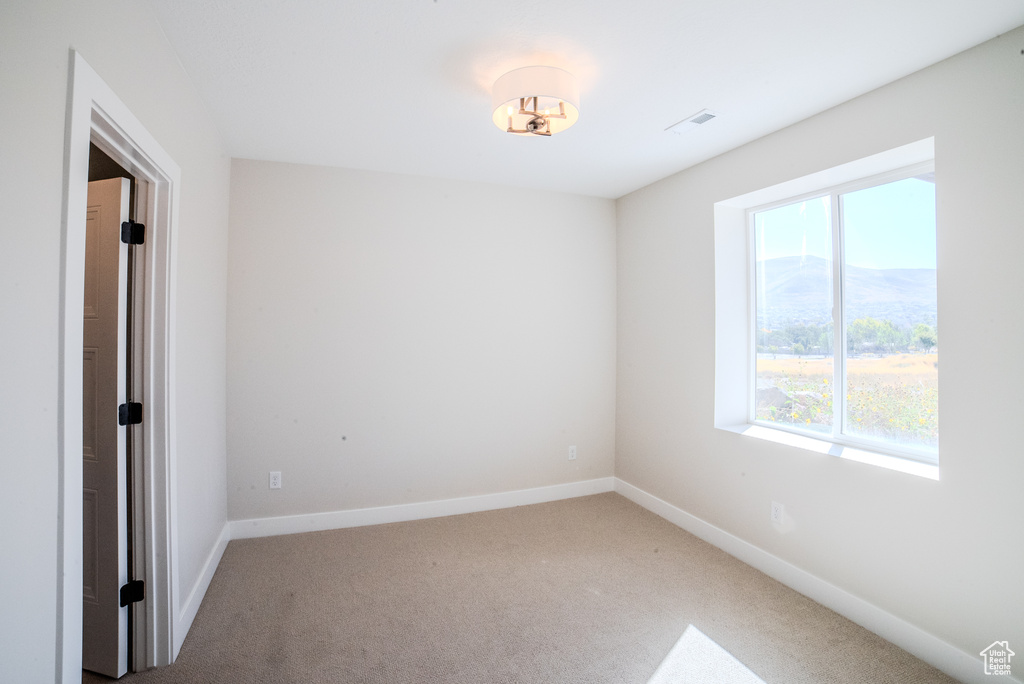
(104, 502)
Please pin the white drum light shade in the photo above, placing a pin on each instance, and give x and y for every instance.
(556, 91)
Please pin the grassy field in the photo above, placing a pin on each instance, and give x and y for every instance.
(889, 397)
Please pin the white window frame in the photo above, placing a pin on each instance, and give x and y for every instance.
(735, 307)
(839, 381)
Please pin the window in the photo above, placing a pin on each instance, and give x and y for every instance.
(860, 261)
(826, 312)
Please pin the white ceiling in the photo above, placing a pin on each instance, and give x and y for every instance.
(404, 85)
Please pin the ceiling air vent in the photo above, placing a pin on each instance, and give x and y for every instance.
(691, 122)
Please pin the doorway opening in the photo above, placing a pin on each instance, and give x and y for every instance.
(112, 459)
(97, 119)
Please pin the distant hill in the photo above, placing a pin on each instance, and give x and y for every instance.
(796, 290)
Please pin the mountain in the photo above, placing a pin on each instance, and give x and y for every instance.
(797, 290)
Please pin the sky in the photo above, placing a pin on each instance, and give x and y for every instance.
(885, 226)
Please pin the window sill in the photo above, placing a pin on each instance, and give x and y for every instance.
(903, 465)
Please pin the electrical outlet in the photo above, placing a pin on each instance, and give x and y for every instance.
(777, 512)
(572, 453)
(275, 479)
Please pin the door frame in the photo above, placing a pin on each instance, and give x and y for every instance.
(95, 114)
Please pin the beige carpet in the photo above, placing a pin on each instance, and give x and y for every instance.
(588, 590)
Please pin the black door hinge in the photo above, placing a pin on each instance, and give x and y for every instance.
(133, 233)
(129, 414)
(133, 592)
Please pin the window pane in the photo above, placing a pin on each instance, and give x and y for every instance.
(889, 297)
(793, 281)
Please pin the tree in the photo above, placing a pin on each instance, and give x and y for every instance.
(889, 336)
(811, 338)
(825, 338)
(925, 335)
(861, 334)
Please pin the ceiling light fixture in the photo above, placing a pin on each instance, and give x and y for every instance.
(535, 100)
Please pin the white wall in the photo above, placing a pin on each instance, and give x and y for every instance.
(124, 44)
(458, 336)
(945, 556)
(461, 336)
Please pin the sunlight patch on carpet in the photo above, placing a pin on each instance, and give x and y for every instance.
(697, 659)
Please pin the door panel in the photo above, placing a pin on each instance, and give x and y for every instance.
(90, 548)
(104, 531)
(89, 380)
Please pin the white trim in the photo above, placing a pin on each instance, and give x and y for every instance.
(929, 648)
(190, 607)
(734, 314)
(880, 451)
(314, 522)
(906, 155)
(95, 113)
(807, 442)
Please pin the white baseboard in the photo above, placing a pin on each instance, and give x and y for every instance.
(314, 522)
(929, 648)
(187, 612)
